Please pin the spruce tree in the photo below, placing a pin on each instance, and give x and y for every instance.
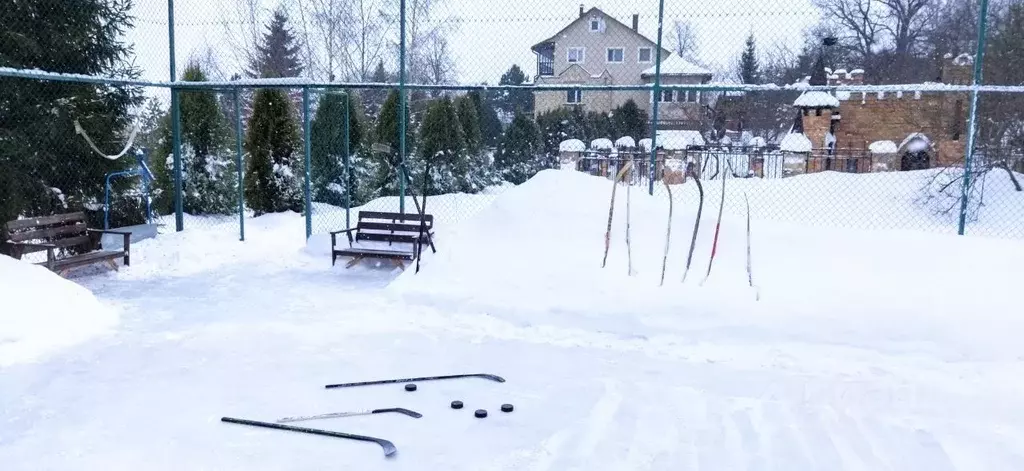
(374, 97)
(273, 181)
(511, 101)
(470, 123)
(278, 54)
(520, 151)
(490, 125)
(629, 120)
(750, 71)
(442, 148)
(386, 132)
(44, 167)
(327, 147)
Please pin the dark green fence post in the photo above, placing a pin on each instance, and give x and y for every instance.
(240, 165)
(979, 55)
(401, 108)
(305, 153)
(348, 176)
(179, 216)
(656, 98)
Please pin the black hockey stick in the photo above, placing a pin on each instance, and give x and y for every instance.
(389, 448)
(424, 378)
(333, 415)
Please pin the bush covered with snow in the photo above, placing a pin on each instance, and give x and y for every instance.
(43, 312)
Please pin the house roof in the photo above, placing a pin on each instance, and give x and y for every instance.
(584, 17)
(676, 65)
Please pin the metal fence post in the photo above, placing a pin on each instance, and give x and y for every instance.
(348, 176)
(979, 55)
(401, 108)
(179, 217)
(656, 98)
(305, 152)
(239, 165)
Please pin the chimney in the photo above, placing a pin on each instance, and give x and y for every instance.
(636, 22)
(581, 10)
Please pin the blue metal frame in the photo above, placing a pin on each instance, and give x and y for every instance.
(147, 176)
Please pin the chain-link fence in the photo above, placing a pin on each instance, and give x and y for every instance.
(842, 113)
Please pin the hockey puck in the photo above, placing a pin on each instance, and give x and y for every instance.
(480, 413)
(456, 404)
(506, 407)
(410, 387)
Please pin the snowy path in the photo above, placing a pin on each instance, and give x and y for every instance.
(644, 392)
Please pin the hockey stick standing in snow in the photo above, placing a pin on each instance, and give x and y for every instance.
(491, 377)
(333, 415)
(423, 217)
(389, 448)
(696, 224)
(718, 226)
(668, 230)
(629, 249)
(750, 274)
(611, 211)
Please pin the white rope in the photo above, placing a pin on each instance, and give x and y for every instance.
(131, 140)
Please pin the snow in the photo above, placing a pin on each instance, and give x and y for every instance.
(44, 313)
(572, 145)
(915, 142)
(883, 147)
(795, 142)
(757, 141)
(676, 65)
(601, 144)
(645, 143)
(816, 99)
(625, 141)
(868, 349)
(679, 139)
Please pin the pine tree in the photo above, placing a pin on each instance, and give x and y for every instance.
(750, 71)
(374, 98)
(559, 125)
(327, 148)
(490, 126)
(44, 167)
(470, 123)
(277, 55)
(511, 101)
(386, 132)
(273, 182)
(520, 151)
(442, 148)
(629, 120)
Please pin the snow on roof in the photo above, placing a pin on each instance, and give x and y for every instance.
(857, 72)
(963, 59)
(816, 99)
(916, 142)
(883, 147)
(572, 145)
(757, 142)
(840, 72)
(795, 142)
(601, 144)
(645, 143)
(625, 141)
(679, 139)
(675, 65)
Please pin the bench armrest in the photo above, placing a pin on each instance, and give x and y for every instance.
(347, 232)
(51, 258)
(344, 230)
(107, 231)
(125, 245)
(33, 245)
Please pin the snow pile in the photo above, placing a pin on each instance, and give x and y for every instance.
(44, 313)
(816, 99)
(795, 142)
(572, 145)
(601, 144)
(882, 147)
(679, 139)
(757, 142)
(645, 143)
(625, 141)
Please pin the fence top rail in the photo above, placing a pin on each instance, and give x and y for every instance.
(301, 82)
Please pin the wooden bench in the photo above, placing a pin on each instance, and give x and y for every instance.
(62, 231)
(377, 226)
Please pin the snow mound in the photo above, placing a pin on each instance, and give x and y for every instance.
(916, 142)
(601, 144)
(44, 313)
(816, 99)
(572, 145)
(645, 143)
(625, 141)
(882, 147)
(795, 142)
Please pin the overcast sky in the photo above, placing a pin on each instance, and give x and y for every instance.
(491, 35)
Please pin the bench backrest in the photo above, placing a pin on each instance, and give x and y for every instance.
(62, 230)
(392, 227)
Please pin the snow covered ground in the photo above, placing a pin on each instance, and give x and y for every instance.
(867, 350)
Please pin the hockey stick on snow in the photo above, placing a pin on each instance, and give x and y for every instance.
(611, 211)
(491, 377)
(389, 448)
(696, 224)
(334, 415)
(718, 225)
(668, 231)
(750, 274)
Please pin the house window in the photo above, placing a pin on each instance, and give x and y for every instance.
(576, 55)
(666, 96)
(644, 55)
(615, 55)
(595, 24)
(574, 96)
(688, 96)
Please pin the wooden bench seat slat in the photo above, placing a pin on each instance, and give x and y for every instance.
(85, 259)
(67, 242)
(362, 251)
(394, 216)
(393, 238)
(19, 224)
(386, 226)
(76, 228)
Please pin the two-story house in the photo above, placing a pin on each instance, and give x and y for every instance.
(597, 49)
